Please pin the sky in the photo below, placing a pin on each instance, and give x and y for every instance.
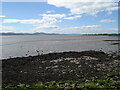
(60, 16)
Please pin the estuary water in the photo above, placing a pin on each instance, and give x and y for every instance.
(25, 45)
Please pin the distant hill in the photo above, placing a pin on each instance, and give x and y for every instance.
(41, 33)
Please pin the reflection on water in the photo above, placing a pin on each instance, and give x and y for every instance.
(14, 46)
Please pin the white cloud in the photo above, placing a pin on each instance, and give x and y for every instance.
(71, 18)
(6, 28)
(2, 16)
(23, 0)
(107, 21)
(11, 21)
(50, 11)
(44, 20)
(30, 21)
(88, 27)
(91, 7)
(114, 29)
(71, 30)
(41, 27)
(81, 30)
(77, 30)
(48, 21)
(113, 8)
(46, 27)
(42, 0)
(53, 15)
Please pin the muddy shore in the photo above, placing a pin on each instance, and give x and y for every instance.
(60, 67)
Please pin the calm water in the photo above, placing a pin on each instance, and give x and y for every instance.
(17, 46)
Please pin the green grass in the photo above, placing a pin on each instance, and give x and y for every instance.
(88, 84)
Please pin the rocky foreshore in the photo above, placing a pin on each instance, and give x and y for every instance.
(61, 67)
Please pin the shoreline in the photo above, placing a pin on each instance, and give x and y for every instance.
(60, 66)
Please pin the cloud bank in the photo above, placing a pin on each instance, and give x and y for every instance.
(77, 9)
(2, 16)
(80, 7)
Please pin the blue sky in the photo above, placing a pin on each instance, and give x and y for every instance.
(59, 17)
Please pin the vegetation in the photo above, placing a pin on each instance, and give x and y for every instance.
(104, 34)
(68, 85)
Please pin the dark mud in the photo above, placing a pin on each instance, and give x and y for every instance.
(113, 42)
(60, 67)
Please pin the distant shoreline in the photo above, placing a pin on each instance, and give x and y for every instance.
(5, 34)
(102, 34)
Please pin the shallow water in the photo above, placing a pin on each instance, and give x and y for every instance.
(25, 45)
